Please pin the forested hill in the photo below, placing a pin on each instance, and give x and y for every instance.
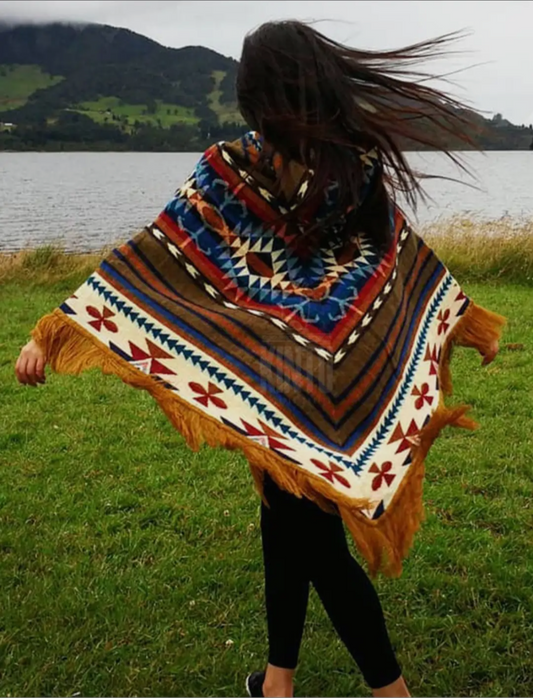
(98, 87)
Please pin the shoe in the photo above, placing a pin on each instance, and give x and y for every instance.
(254, 684)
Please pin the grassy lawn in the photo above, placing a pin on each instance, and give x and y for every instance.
(131, 566)
(167, 114)
(17, 83)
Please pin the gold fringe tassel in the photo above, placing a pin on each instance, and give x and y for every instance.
(384, 543)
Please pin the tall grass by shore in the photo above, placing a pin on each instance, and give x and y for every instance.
(477, 250)
(473, 250)
(47, 264)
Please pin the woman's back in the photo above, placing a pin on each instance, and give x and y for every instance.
(281, 305)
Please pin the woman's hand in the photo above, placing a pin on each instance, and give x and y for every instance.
(491, 354)
(30, 365)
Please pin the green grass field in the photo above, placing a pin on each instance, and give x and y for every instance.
(165, 115)
(17, 83)
(132, 567)
(225, 112)
(103, 109)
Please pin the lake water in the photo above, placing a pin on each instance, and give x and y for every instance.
(85, 201)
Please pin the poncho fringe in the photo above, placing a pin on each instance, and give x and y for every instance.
(383, 543)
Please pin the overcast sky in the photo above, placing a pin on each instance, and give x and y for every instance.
(500, 45)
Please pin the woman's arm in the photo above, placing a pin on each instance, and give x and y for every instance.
(30, 366)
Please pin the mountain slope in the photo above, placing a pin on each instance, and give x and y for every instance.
(19, 82)
(89, 62)
(99, 87)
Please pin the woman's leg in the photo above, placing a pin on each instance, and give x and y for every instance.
(286, 586)
(352, 604)
(301, 543)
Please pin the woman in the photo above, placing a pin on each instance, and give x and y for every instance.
(282, 305)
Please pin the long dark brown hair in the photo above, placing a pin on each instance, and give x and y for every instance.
(320, 102)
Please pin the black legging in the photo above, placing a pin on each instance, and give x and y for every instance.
(303, 544)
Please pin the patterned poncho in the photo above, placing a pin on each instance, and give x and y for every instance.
(326, 364)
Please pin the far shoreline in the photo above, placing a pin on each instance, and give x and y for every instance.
(474, 250)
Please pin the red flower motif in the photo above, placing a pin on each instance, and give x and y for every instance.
(422, 396)
(331, 472)
(382, 475)
(101, 318)
(443, 318)
(207, 395)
